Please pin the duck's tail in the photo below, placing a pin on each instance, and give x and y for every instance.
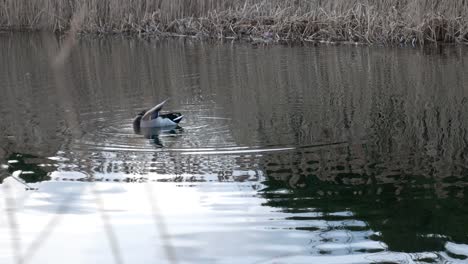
(177, 119)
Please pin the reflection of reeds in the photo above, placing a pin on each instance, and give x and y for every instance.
(59, 58)
(388, 21)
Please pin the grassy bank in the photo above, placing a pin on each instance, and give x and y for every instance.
(370, 21)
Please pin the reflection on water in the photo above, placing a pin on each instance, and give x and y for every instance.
(363, 148)
(33, 167)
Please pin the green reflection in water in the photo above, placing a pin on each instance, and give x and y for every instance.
(30, 165)
(410, 217)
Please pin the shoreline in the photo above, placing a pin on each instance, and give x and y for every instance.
(254, 41)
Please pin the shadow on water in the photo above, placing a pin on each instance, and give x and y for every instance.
(369, 133)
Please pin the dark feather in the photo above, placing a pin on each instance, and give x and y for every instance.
(137, 123)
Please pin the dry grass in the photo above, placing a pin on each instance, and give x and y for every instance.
(370, 21)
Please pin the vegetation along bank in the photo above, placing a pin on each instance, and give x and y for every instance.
(366, 21)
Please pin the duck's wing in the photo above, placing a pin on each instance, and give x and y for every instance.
(157, 108)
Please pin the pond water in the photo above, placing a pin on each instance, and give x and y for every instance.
(287, 154)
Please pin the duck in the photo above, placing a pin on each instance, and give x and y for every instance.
(158, 135)
(153, 118)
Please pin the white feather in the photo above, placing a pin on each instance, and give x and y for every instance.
(177, 118)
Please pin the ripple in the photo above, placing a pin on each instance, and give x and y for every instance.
(227, 151)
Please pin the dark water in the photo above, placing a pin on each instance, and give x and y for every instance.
(356, 151)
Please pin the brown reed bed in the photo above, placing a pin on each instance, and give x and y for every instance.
(364, 21)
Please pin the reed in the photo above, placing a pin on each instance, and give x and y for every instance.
(370, 21)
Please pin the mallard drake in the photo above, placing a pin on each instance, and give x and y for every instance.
(152, 118)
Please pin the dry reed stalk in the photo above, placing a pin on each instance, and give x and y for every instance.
(369, 21)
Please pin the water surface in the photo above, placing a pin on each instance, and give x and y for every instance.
(304, 154)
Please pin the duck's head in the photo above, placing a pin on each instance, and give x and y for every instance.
(137, 121)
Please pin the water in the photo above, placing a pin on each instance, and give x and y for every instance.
(303, 154)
